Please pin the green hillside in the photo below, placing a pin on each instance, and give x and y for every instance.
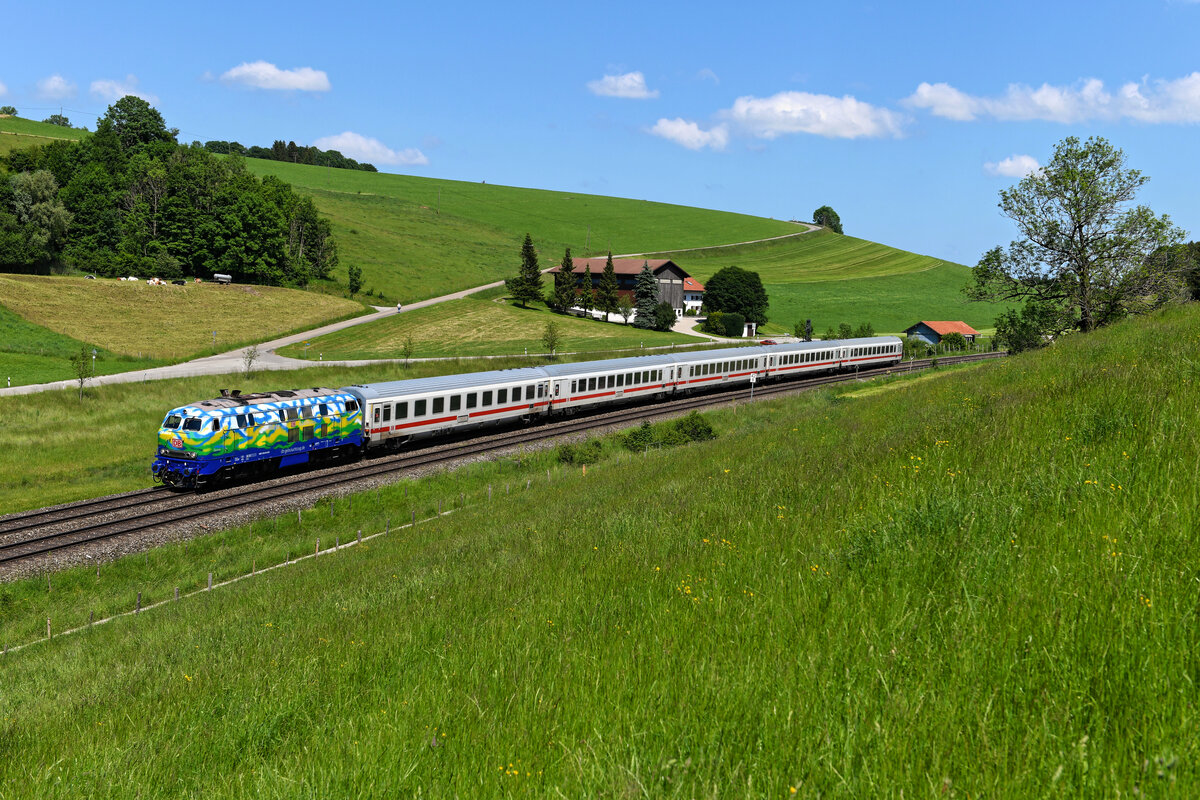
(981, 584)
(17, 133)
(831, 278)
(391, 226)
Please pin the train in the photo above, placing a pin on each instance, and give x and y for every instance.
(239, 435)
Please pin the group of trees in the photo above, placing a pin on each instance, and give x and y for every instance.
(130, 200)
(583, 291)
(8, 111)
(1087, 255)
(289, 151)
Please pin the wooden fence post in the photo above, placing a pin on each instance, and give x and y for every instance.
(210, 581)
(176, 594)
(138, 608)
(414, 518)
(317, 552)
(47, 627)
(360, 531)
(489, 493)
(91, 617)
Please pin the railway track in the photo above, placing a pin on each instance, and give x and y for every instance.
(49, 530)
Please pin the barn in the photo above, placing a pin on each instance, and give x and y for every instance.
(932, 332)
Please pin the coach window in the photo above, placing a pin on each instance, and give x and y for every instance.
(420, 408)
(402, 410)
(591, 384)
(471, 400)
(501, 396)
(439, 405)
(620, 380)
(487, 397)
(387, 413)
(572, 387)
(455, 402)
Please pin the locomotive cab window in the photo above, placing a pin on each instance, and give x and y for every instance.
(351, 405)
(172, 422)
(191, 424)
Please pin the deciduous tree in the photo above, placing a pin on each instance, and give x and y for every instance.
(737, 290)
(829, 218)
(1085, 248)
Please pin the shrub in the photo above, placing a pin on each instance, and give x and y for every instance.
(735, 324)
(695, 427)
(588, 452)
(714, 323)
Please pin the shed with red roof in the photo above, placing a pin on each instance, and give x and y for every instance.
(932, 332)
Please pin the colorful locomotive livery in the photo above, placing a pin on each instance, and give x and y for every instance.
(235, 435)
(238, 435)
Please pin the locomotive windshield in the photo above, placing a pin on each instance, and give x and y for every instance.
(191, 424)
(172, 422)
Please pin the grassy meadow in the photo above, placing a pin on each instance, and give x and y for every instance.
(410, 248)
(478, 325)
(831, 278)
(145, 324)
(981, 584)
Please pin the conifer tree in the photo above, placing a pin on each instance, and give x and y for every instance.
(564, 283)
(587, 293)
(645, 293)
(606, 296)
(527, 285)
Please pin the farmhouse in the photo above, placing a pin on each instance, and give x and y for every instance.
(932, 332)
(674, 284)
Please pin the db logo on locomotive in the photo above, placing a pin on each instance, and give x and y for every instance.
(177, 443)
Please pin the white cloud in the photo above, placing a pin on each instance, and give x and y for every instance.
(631, 85)
(3, 89)
(1158, 101)
(264, 75)
(111, 91)
(709, 75)
(56, 87)
(364, 148)
(819, 114)
(691, 135)
(1015, 166)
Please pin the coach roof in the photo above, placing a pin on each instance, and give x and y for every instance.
(610, 365)
(446, 383)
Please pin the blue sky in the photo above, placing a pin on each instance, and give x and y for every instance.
(907, 118)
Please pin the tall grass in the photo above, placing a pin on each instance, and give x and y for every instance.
(979, 585)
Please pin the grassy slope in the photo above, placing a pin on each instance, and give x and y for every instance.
(166, 322)
(390, 225)
(832, 279)
(986, 589)
(17, 133)
(477, 326)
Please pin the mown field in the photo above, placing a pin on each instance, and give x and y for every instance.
(391, 226)
(981, 584)
(17, 133)
(146, 324)
(831, 279)
(478, 325)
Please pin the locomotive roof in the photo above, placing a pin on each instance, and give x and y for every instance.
(261, 398)
(446, 383)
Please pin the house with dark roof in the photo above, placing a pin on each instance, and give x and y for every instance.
(932, 332)
(671, 278)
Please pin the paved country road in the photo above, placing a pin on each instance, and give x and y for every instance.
(233, 361)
